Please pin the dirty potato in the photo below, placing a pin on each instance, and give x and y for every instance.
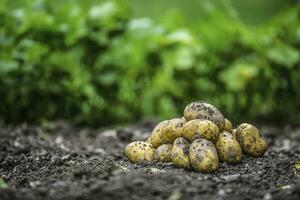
(163, 153)
(251, 140)
(167, 131)
(173, 129)
(228, 126)
(180, 153)
(139, 151)
(200, 128)
(229, 149)
(203, 110)
(157, 136)
(203, 156)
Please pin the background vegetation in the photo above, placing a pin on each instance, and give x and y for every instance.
(102, 62)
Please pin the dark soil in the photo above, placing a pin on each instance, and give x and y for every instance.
(61, 162)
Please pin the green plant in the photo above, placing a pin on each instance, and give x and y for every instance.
(91, 63)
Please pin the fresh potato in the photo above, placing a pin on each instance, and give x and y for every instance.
(203, 110)
(163, 153)
(174, 129)
(228, 148)
(167, 131)
(180, 153)
(139, 151)
(251, 141)
(200, 128)
(203, 156)
(228, 126)
(157, 136)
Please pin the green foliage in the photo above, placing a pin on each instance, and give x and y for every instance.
(90, 63)
(2, 183)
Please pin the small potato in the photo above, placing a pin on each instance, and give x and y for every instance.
(167, 131)
(139, 151)
(173, 129)
(251, 141)
(200, 128)
(228, 126)
(228, 148)
(203, 110)
(163, 153)
(157, 136)
(203, 156)
(180, 153)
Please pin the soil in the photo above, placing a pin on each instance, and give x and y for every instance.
(58, 161)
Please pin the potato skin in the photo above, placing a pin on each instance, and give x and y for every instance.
(228, 126)
(251, 141)
(163, 153)
(203, 156)
(200, 128)
(139, 151)
(180, 153)
(157, 137)
(229, 149)
(167, 131)
(203, 110)
(174, 129)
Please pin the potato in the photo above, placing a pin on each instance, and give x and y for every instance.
(228, 126)
(180, 153)
(163, 153)
(203, 110)
(174, 129)
(167, 131)
(203, 156)
(139, 151)
(200, 128)
(229, 149)
(251, 141)
(157, 137)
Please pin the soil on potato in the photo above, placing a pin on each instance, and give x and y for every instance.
(62, 162)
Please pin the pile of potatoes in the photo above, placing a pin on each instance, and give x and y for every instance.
(198, 141)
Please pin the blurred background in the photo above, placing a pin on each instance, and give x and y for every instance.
(97, 62)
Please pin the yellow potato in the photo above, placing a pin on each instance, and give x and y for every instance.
(228, 126)
(163, 153)
(173, 129)
(139, 151)
(203, 156)
(203, 110)
(200, 128)
(251, 140)
(157, 136)
(229, 149)
(180, 153)
(167, 131)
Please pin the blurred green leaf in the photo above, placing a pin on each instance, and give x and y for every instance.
(2, 183)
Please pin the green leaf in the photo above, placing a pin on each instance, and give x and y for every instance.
(8, 66)
(284, 55)
(237, 76)
(2, 183)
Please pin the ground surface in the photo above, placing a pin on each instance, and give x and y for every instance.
(61, 162)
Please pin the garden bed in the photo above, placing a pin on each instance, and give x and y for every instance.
(62, 162)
